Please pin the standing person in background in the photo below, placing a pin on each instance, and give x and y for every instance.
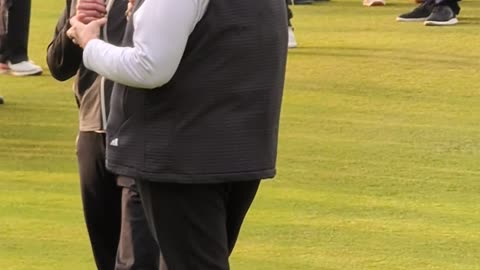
(1, 100)
(292, 42)
(433, 13)
(195, 115)
(114, 216)
(374, 3)
(14, 30)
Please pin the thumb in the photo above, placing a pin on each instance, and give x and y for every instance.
(100, 22)
(74, 21)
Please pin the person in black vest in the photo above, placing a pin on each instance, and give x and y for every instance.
(433, 13)
(194, 115)
(14, 30)
(116, 223)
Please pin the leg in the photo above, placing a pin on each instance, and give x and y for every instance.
(4, 7)
(100, 197)
(289, 13)
(137, 248)
(18, 30)
(292, 42)
(193, 223)
(453, 4)
(239, 199)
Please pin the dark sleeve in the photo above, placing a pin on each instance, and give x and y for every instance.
(63, 56)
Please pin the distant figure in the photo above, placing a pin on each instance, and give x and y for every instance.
(14, 28)
(1, 100)
(292, 42)
(374, 3)
(433, 13)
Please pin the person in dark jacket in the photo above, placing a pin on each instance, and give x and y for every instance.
(114, 216)
(194, 115)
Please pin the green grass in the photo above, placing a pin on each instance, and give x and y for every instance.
(379, 159)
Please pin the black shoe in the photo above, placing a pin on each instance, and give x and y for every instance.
(419, 14)
(441, 15)
(303, 2)
(1, 100)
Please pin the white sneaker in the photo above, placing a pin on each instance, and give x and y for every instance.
(373, 3)
(25, 68)
(292, 42)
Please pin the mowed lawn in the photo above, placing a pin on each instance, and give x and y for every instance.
(379, 156)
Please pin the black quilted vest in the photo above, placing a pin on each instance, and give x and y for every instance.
(217, 119)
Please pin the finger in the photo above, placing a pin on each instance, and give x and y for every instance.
(87, 20)
(74, 21)
(90, 13)
(71, 33)
(100, 8)
(100, 22)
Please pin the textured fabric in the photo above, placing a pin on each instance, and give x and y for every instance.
(217, 119)
(197, 225)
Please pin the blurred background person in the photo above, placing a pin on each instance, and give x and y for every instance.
(14, 30)
(292, 42)
(374, 3)
(116, 224)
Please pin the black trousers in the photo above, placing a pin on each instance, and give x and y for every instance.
(451, 3)
(114, 216)
(196, 225)
(137, 249)
(14, 46)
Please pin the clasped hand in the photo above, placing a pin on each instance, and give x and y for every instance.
(85, 25)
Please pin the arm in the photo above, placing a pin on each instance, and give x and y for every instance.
(63, 56)
(162, 28)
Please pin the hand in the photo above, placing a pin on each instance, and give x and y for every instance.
(90, 10)
(81, 33)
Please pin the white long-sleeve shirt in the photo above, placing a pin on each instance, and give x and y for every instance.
(162, 28)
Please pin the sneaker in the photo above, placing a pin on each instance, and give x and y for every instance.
(441, 15)
(25, 68)
(419, 14)
(373, 3)
(4, 68)
(292, 42)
